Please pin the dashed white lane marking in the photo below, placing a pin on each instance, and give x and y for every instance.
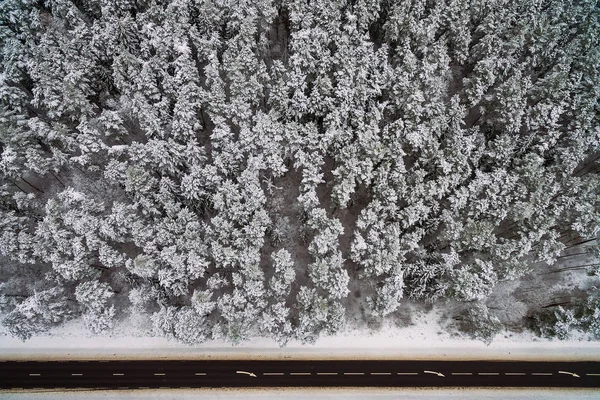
(515, 373)
(76, 374)
(435, 373)
(541, 373)
(592, 374)
(408, 373)
(354, 373)
(462, 373)
(200, 373)
(272, 373)
(159, 374)
(35, 374)
(118, 374)
(381, 373)
(327, 373)
(488, 373)
(299, 373)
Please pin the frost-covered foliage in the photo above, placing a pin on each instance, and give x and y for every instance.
(479, 323)
(234, 168)
(94, 297)
(562, 321)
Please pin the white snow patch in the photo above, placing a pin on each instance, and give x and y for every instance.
(424, 339)
(316, 394)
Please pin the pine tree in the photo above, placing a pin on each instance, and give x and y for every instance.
(94, 298)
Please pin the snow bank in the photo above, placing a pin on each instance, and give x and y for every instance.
(424, 339)
(314, 394)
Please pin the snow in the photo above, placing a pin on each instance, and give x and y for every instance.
(424, 339)
(314, 394)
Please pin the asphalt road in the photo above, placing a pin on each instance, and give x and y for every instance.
(194, 374)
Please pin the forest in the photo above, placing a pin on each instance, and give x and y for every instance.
(276, 168)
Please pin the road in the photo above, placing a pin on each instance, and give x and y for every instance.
(229, 373)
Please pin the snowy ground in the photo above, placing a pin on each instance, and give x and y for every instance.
(423, 335)
(318, 394)
(424, 339)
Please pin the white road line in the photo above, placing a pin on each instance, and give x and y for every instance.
(159, 374)
(200, 373)
(272, 373)
(541, 373)
(488, 373)
(327, 373)
(35, 374)
(592, 374)
(251, 374)
(76, 374)
(574, 375)
(354, 373)
(408, 373)
(381, 373)
(515, 373)
(299, 373)
(462, 373)
(435, 373)
(118, 374)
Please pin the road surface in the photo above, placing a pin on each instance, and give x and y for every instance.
(229, 373)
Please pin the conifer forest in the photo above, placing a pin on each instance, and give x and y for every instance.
(288, 168)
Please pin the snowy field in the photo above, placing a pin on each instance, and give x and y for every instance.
(424, 339)
(313, 394)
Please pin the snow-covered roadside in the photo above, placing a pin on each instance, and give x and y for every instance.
(424, 339)
(317, 394)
